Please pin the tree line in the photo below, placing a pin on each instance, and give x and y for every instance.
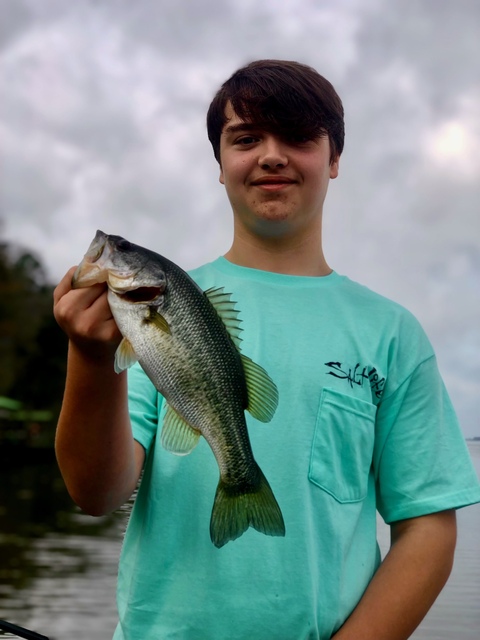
(33, 348)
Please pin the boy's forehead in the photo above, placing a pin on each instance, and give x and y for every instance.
(234, 123)
(232, 119)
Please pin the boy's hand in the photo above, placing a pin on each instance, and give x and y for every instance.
(85, 316)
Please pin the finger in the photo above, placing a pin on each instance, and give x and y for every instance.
(64, 285)
(80, 300)
(98, 302)
(90, 295)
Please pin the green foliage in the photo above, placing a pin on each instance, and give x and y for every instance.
(32, 346)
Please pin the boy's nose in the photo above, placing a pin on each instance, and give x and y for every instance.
(272, 154)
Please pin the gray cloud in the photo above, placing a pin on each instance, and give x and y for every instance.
(15, 19)
(437, 40)
(102, 126)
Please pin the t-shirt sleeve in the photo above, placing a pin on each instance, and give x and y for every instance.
(144, 404)
(421, 461)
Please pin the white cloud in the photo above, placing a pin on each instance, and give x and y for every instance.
(453, 144)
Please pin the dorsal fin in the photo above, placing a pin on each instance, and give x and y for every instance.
(178, 436)
(225, 308)
(124, 356)
(262, 391)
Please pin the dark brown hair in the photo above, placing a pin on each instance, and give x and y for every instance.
(285, 97)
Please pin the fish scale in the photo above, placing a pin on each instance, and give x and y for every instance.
(188, 343)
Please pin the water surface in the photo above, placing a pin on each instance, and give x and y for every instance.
(58, 567)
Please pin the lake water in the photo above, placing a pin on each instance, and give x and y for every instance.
(58, 567)
(456, 612)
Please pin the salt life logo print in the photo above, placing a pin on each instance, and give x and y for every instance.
(358, 376)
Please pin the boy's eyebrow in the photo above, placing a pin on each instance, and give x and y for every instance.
(242, 126)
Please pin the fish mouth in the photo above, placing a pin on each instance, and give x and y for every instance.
(96, 265)
(96, 247)
(125, 277)
(88, 271)
(140, 295)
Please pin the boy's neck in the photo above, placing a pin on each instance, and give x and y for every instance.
(301, 258)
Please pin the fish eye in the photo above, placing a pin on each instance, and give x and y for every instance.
(124, 245)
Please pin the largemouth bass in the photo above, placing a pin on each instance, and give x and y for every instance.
(187, 341)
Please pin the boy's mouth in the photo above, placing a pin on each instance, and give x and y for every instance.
(271, 183)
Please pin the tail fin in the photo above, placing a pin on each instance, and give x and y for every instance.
(234, 511)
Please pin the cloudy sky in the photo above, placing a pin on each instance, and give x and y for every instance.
(102, 125)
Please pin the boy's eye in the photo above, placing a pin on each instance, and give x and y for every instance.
(246, 140)
(299, 139)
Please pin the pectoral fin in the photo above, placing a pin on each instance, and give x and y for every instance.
(262, 391)
(158, 320)
(124, 356)
(178, 436)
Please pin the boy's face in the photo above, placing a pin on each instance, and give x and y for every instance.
(274, 185)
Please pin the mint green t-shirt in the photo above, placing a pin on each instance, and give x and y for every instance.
(363, 423)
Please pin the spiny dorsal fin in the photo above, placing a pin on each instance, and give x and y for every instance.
(178, 436)
(124, 356)
(225, 308)
(262, 391)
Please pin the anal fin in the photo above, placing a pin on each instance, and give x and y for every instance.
(177, 435)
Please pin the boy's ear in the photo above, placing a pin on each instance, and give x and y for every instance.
(334, 165)
(220, 177)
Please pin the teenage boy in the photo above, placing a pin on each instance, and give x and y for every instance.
(363, 422)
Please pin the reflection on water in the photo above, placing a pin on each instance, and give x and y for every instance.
(58, 567)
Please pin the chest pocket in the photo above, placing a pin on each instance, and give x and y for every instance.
(342, 446)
